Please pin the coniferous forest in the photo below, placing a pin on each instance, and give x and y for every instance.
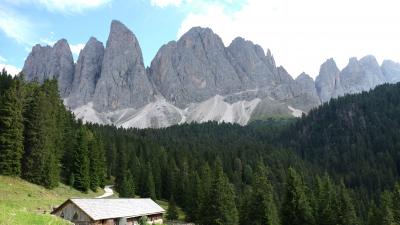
(339, 165)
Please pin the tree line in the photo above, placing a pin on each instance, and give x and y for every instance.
(41, 141)
(338, 165)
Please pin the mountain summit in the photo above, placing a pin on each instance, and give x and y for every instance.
(194, 79)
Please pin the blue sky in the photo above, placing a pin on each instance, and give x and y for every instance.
(300, 34)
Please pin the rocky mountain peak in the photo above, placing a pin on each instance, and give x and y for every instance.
(327, 82)
(87, 73)
(361, 75)
(391, 71)
(123, 81)
(45, 62)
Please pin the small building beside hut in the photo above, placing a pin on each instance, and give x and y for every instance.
(121, 211)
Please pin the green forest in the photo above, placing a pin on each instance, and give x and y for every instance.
(338, 165)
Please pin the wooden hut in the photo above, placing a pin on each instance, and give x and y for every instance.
(122, 211)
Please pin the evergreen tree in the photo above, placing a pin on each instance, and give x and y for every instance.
(172, 212)
(96, 162)
(149, 186)
(346, 213)
(325, 199)
(295, 207)
(39, 146)
(262, 209)
(396, 203)
(80, 161)
(193, 198)
(219, 205)
(11, 130)
(387, 211)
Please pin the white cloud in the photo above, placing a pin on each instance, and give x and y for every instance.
(165, 3)
(15, 26)
(303, 34)
(71, 6)
(76, 49)
(13, 70)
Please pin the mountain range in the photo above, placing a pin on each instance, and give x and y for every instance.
(194, 79)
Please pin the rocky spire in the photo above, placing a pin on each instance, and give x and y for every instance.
(87, 72)
(327, 82)
(391, 71)
(123, 81)
(193, 69)
(361, 75)
(51, 62)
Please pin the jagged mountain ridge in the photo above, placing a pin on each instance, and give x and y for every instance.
(193, 79)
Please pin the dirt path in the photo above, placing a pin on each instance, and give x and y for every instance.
(107, 192)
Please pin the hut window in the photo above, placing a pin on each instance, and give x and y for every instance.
(75, 217)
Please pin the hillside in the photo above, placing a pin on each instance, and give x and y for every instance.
(23, 203)
(355, 137)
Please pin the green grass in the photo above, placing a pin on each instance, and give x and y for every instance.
(164, 205)
(24, 203)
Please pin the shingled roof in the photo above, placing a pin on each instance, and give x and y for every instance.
(99, 209)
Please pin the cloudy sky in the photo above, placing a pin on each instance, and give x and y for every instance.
(301, 34)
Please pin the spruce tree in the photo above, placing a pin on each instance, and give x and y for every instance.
(325, 202)
(96, 162)
(40, 165)
(387, 210)
(11, 130)
(219, 206)
(262, 209)
(345, 212)
(193, 198)
(172, 212)
(149, 186)
(80, 161)
(396, 203)
(295, 207)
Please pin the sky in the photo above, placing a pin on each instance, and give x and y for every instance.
(301, 34)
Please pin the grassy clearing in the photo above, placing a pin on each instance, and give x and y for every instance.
(164, 205)
(25, 203)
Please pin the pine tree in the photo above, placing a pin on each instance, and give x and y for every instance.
(172, 212)
(295, 207)
(396, 203)
(193, 198)
(38, 143)
(80, 161)
(219, 206)
(387, 210)
(11, 130)
(263, 210)
(325, 212)
(124, 182)
(149, 186)
(345, 211)
(96, 162)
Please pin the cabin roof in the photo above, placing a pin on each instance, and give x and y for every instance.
(99, 209)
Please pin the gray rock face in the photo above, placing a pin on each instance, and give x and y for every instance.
(361, 75)
(308, 93)
(391, 71)
(254, 68)
(195, 78)
(87, 72)
(51, 62)
(123, 81)
(193, 69)
(328, 81)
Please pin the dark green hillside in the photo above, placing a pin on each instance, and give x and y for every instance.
(355, 138)
(337, 166)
